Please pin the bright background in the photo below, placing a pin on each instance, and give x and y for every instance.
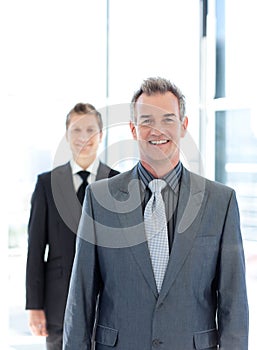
(57, 53)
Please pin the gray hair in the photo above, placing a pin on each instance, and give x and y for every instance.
(152, 86)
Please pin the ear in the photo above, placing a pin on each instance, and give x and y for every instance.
(184, 125)
(133, 130)
(101, 135)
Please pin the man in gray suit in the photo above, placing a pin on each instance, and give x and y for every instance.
(55, 213)
(202, 302)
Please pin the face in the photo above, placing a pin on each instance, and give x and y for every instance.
(83, 135)
(158, 129)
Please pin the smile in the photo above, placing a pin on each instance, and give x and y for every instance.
(158, 142)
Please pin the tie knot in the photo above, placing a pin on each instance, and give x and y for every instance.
(83, 174)
(157, 185)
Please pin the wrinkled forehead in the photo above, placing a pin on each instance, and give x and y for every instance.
(143, 110)
(156, 105)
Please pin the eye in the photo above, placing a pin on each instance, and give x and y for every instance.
(146, 122)
(169, 120)
(92, 130)
(76, 130)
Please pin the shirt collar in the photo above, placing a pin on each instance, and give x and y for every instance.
(75, 168)
(172, 178)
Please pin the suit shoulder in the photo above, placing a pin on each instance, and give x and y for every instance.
(114, 181)
(218, 186)
(111, 172)
(47, 174)
(105, 171)
(211, 186)
(44, 176)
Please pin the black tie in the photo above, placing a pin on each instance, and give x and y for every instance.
(81, 191)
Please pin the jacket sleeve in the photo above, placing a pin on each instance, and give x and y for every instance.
(37, 241)
(84, 287)
(232, 314)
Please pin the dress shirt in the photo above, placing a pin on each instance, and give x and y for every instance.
(75, 168)
(170, 193)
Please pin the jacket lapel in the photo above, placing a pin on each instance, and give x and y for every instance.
(132, 221)
(191, 202)
(102, 172)
(65, 197)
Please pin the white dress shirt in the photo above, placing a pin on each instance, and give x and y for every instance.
(75, 168)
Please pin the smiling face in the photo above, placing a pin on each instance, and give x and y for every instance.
(158, 129)
(84, 135)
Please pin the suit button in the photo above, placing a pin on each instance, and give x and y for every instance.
(156, 343)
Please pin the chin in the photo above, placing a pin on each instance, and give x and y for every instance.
(159, 155)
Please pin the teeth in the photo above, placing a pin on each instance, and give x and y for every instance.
(158, 142)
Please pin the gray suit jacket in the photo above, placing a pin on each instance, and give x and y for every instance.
(203, 301)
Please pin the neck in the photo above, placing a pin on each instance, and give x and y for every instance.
(158, 170)
(84, 163)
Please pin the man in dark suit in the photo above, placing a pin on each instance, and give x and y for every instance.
(55, 213)
(201, 302)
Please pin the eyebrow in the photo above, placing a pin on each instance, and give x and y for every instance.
(142, 116)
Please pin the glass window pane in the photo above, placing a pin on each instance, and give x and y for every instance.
(236, 163)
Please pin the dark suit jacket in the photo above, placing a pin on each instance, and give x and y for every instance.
(202, 303)
(54, 217)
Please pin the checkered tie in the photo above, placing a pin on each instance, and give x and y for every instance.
(156, 231)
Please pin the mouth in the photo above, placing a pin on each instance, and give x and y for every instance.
(158, 142)
(83, 145)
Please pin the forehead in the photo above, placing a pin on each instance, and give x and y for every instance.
(83, 120)
(157, 104)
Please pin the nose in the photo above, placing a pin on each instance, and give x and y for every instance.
(157, 128)
(84, 136)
